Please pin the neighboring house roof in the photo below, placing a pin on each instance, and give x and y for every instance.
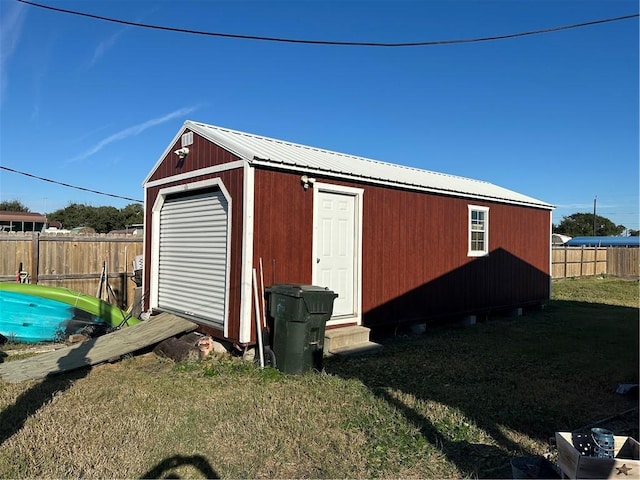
(8, 216)
(259, 150)
(558, 239)
(604, 242)
(129, 231)
(83, 230)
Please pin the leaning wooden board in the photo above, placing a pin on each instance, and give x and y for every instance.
(97, 350)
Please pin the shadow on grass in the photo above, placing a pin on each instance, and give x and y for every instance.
(548, 371)
(13, 418)
(165, 469)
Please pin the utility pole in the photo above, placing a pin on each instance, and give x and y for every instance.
(594, 215)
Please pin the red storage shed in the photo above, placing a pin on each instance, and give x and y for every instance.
(397, 244)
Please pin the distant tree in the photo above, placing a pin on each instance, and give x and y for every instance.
(132, 214)
(101, 219)
(14, 206)
(107, 219)
(73, 215)
(581, 224)
(634, 233)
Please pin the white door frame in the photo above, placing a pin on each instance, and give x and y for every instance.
(357, 193)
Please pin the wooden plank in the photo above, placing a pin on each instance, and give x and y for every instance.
(97, 350)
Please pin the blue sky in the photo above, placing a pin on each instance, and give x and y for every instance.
(554, 116)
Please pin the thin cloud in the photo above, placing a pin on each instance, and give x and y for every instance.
(11, 22)
(108, 43)
(587, 207)
(42, 59)
(575, 206)
(599, 201)
(131, 132)
(104, 46)
(90, 133)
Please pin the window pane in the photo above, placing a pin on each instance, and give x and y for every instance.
(477, 241)
(477, 220)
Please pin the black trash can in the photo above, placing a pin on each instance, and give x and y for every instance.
(300, 314)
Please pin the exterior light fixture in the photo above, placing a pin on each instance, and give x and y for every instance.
(306, 181)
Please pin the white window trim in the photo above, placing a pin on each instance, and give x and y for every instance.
(485, 251)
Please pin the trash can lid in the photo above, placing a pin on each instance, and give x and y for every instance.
(295, 289)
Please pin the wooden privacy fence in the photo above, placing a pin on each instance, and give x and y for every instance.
(623, 262)
(567, 262)
(72, 261)
(76, 261)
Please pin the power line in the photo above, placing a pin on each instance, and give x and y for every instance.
(68, 185)
(329, 42)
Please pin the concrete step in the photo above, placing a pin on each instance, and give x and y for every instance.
(364, 348)
(349, 340)
(345, 336)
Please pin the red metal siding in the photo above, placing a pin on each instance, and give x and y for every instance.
(283, 227)
(414, 263)
(201, 156)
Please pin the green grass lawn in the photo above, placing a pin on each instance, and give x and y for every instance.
(454, 402)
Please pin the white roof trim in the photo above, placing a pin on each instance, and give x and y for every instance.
(164, 154)
(259, 150)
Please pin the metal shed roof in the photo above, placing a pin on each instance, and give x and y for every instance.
(259, 150)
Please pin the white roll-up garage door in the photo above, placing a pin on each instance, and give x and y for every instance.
(193, 255)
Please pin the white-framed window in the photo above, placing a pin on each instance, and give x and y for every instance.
(478, 231)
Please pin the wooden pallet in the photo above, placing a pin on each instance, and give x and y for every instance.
(97, 350)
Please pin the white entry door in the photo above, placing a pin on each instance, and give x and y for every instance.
(337, 246)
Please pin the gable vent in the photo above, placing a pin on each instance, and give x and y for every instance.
(187, 139)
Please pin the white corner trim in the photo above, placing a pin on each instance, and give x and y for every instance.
(246, 280)
(551, 254)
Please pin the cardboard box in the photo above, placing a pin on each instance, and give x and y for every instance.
(574, 460)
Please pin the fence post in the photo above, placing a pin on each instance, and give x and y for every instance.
(35, 256)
